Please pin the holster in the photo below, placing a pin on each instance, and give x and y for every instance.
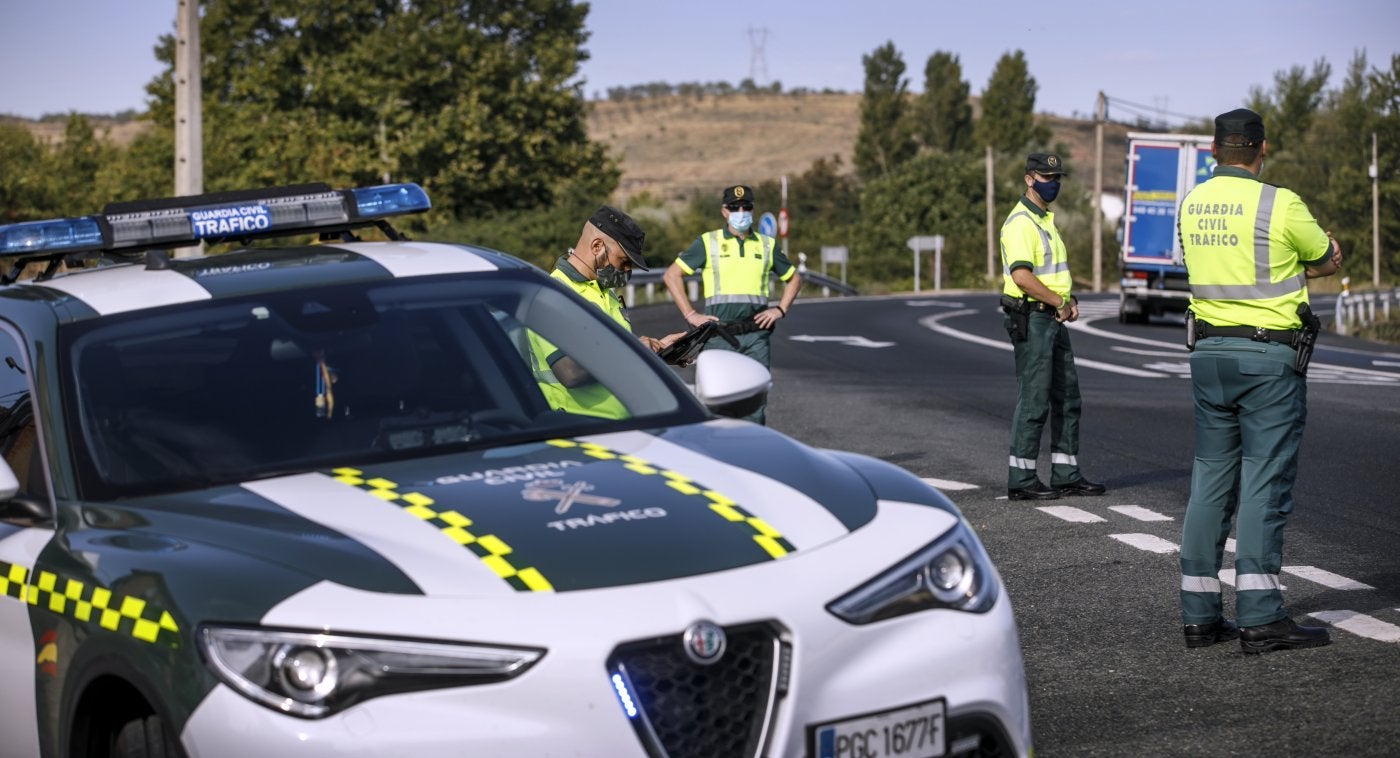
(1307, 338)
(1018, 313)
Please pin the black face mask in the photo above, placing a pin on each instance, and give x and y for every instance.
(609, 276)
(1048, 191)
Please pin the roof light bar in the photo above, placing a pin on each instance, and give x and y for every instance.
(61, 234)
(182, 221)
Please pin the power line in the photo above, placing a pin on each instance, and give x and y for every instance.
(758, 58)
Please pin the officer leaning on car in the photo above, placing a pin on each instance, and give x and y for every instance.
(735, 263)
(1249, 248)
(608, 248)
(1037, 301)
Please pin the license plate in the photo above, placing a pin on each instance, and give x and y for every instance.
(914, 731)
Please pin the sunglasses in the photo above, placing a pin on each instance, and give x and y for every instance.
(739, 206)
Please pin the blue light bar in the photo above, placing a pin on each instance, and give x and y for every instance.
(240, 215)
(390, 200)
(60, 234)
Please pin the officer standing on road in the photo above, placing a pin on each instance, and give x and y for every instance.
(608, 248)
(1249, 248)
(1037, 301)
(735, 264)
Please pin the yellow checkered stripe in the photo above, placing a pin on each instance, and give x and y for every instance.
(492, 550)
(125, 614)
(766, 536)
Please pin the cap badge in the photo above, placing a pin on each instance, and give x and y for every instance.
(1052, 161)
(739, 192)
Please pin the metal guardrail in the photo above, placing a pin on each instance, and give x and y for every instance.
(1358, 309)
(645, 287)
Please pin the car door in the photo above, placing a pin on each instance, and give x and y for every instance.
(23, 657)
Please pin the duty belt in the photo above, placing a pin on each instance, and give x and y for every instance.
(1258, 334)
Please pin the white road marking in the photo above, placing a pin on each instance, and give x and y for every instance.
(1230, 544)
(945, 484)
(1385, 363)
(931, 322)
(1155, 353)
(932, 304)
(1326, 578)
(1070, 513)
(1146, 542)
(1139, 513)
(1360, 624)
(852, 340)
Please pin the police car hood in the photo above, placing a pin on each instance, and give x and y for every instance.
(584, 513)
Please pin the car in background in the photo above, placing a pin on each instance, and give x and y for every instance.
(316, 499)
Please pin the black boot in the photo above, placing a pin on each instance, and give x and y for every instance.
(1283, 634)
(1205, 635)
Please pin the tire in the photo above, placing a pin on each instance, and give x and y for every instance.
(145, 737)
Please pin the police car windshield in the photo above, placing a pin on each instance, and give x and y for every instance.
(240, 388)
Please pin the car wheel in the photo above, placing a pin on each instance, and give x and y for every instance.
(144, 737)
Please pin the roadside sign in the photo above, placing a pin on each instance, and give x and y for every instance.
(933, 242)
(768, 225)
(782, 222)
(833, 255)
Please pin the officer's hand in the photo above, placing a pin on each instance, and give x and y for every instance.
(767, 317)
(696, 318)
(653, 345)
(667, 341)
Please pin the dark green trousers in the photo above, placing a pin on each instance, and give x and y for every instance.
(1047, 389)
(1250, 408)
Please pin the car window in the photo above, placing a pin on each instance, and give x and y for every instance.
(245, 387)
(18, 437)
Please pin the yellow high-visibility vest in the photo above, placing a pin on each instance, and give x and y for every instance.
(590, 399)
(1244, 242)
(1028, 237)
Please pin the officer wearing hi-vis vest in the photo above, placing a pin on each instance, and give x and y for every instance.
(1249, 249)
(1037, 301)
(609, 247)
(735, 264)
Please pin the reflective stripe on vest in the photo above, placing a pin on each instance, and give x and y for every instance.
(729, 286)
(1262, 288)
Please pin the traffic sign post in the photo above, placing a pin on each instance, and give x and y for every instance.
(934, 243)
(768, 225)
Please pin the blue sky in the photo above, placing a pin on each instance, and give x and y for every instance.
(96, 56)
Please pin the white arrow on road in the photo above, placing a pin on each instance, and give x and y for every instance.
(852, 340)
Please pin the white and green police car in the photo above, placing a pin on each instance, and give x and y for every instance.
(310, 500)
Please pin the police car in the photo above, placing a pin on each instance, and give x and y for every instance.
(311, 500)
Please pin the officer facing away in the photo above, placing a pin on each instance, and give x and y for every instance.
(1249, 247)
(735, 263)
(1037, 301)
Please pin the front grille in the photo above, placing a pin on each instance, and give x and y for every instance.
(687, 709)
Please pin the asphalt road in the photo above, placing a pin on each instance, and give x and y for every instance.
(928, 383)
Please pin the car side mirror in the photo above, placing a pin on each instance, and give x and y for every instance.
(731, 384)
(9, 483)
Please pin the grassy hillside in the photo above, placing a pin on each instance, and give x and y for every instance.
(675, 147)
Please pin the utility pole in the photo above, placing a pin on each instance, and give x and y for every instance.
(189, 148)
(1098, 193)
(1375, 216)
(991, 220)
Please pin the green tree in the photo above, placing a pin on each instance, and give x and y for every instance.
(943, 114)
(947, 194)
(884, 140)
(1008, 108)
(1289, 110)
(1384, 98)
(26, 189)
(484, 112)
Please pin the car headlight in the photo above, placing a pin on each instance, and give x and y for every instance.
(312, 675)
(953, 572)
